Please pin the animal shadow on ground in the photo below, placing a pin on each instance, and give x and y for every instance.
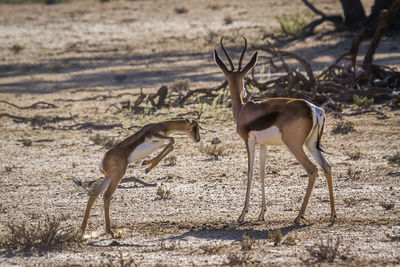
(235, 232)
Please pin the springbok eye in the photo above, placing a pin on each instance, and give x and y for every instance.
(195, 128)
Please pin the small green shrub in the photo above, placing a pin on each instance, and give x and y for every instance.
(362, 102)
(17, 48)
(294, 24)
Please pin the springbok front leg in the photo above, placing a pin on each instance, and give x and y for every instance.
(159, 157)
(250, 145)
(263, 155)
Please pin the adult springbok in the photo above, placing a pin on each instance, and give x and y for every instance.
(294, 123)
(133, 148)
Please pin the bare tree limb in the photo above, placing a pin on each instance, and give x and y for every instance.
(40, 104)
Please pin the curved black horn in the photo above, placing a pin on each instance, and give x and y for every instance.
(226, 54)
(243, 51)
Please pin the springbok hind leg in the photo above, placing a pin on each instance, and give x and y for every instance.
(312, 172)
(319, 157)
(93, 195)
(107, 199)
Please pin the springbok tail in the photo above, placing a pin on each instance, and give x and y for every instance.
(103, 186)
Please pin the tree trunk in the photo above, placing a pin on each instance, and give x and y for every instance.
(354, 14)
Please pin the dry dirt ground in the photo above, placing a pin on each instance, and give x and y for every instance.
(87, 48)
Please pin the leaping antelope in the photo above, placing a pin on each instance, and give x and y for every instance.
(133, 148)
(276, 121)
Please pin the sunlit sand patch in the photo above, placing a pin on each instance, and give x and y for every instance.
(98, 233)
(93, 234)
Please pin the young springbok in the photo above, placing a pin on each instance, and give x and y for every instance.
(276, 121)
(133, 148)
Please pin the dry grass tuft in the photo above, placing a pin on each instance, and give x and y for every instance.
(163, 192)
(181, 10)
(211, 249)
(228, 20)
(180, 85)
(170, 161)
(351, 201)
(387, 205)
(354, 155)
(324, 252)
(276, 237)
(353, 174)
(121, 261)
(247, 242)
(102, 140)
(47, 235)
(291, 239)
(238, 260)
(213, 151)
(26, 142)
(394, 159)
(343, 127)
(172, 246)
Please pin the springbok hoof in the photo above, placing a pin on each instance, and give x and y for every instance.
(298, 218)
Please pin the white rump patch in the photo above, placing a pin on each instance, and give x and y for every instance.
(145, 149)
(271, 136)
(318, 115)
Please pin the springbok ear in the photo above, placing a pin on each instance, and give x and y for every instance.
(251, 64)
(219, 62)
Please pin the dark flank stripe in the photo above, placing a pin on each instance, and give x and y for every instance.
(263, 122)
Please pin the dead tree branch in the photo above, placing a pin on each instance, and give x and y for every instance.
(92, 125)
(37, 120)
(40, 104)
(205, 91)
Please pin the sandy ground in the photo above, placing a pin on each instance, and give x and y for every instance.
(83, 48)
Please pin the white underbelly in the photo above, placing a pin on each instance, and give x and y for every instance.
(144, 150)
(271, 136)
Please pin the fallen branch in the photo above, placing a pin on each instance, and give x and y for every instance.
(92, 125)
(89, 184)
(98, 97)
(40, 104)
(37, 119)
(206, 91)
